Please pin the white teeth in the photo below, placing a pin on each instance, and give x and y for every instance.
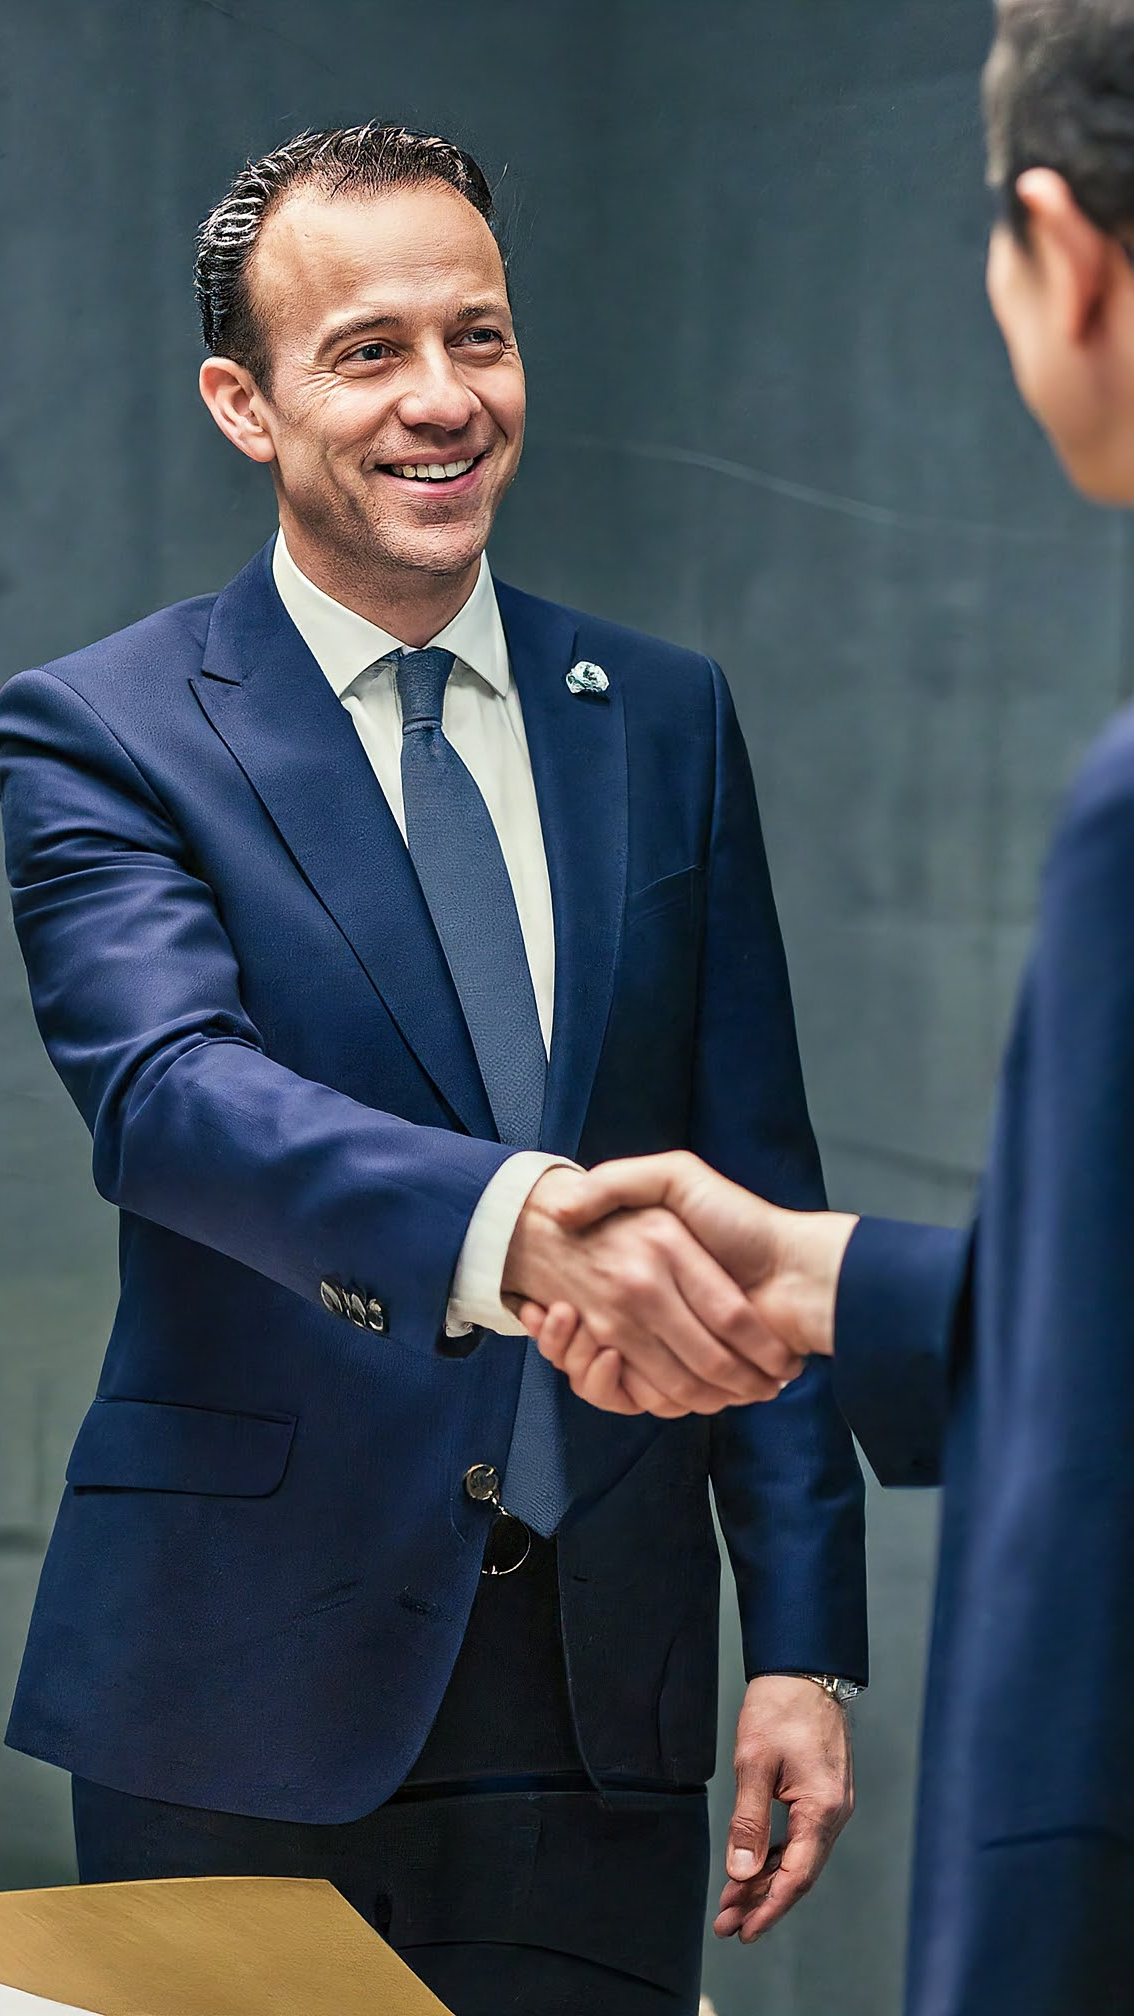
(432, 472)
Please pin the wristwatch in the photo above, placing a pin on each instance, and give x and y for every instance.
(842, 1691)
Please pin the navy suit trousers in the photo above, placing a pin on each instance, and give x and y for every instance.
(567, 1903)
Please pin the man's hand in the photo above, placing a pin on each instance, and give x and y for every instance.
(793, 1744)
(787, 1262)
(644, 1288)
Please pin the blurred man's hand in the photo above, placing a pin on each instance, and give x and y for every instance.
(787, 1264)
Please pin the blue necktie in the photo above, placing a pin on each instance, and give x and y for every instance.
(454, 848)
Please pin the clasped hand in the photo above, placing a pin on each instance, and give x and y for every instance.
(657, 1286)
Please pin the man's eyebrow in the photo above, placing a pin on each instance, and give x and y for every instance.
(361, 325)
(358, 326)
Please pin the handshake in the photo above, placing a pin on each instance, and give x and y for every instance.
(659, 1287)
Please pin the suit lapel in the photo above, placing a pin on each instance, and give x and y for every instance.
(578, 752)
(269, 702)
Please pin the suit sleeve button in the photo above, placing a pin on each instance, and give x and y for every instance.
(376, 1317)
(356, 1308)
(331, 1296)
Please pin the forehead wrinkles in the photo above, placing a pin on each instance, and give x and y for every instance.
(411, 252)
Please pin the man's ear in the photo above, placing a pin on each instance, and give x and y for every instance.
(1078, 262)
(239, 409)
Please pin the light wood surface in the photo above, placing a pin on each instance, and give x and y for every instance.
(213, 1946)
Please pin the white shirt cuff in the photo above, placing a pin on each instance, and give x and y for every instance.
(475, 1294)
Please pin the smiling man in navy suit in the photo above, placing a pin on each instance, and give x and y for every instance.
(356, 901)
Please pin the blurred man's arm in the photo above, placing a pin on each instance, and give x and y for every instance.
(900, 1296)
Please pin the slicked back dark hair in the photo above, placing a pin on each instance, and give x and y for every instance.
(345, 160)
(1059, 93)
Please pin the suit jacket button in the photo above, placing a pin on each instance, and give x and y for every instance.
(356, 1308)
(482, 1483)
(331, 1296)
(376, 1317)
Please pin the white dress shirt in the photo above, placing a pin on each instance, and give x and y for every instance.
(483, 721)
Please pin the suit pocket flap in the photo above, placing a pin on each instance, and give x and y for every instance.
(153, 1445)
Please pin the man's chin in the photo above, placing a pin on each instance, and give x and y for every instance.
(435, 552)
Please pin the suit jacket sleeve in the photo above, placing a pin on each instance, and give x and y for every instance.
(901, 1296)
(136, 990)
(787, 1483)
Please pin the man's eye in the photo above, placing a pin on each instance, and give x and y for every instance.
(481, 339)
(369, 353)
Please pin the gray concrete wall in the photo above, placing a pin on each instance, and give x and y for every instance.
(770, 417)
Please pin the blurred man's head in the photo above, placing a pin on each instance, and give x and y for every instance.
(355, 308)
(1059, 106)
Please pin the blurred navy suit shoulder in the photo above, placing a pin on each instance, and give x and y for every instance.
(265, 1560)
(1010, 1359)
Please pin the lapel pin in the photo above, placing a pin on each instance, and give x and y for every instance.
(587, 678)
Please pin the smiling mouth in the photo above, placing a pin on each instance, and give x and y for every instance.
(431, 472)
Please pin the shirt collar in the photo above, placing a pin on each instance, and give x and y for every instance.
(343, 643)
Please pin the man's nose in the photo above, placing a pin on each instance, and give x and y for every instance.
(437, 395)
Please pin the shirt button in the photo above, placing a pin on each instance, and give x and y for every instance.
(482, 1483)
(331, 1296)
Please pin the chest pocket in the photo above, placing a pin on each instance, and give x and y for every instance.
(673, 892)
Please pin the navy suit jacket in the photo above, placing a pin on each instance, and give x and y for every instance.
(265, 1559)
(1001, 1363)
